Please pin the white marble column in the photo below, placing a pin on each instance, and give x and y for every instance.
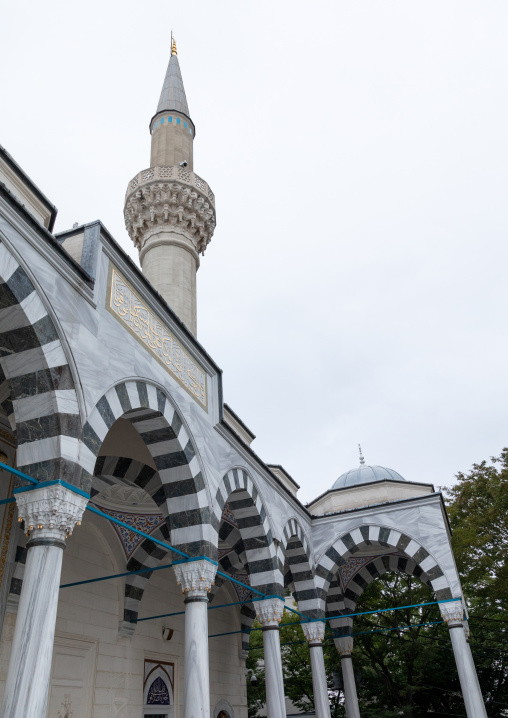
(49, 514)
(452, 614)
(314, 632)
(344, 646)
(196, 579)
(269, 614)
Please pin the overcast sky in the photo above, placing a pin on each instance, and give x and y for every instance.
(355, 288)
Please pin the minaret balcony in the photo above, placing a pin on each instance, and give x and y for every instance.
(172, 196)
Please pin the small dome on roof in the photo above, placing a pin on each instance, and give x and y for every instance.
(366, 474)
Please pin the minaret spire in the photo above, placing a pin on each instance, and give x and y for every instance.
(362, 460)
(169, 211)
(173, 92)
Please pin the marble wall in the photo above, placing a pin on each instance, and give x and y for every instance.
(99, 673)
(102, 354)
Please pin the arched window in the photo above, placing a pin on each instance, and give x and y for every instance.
(158, 689)
(223, 709)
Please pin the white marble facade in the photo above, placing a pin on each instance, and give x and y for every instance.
(106, 669)
(103, 388)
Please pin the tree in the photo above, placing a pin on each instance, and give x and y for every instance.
(255, 672)
(296, 668)
(478, 509)
(404, 671)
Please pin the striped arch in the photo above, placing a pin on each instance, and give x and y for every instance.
(298, 574)
(37, 391)
(113, 470)
(343, 598)
(238, 490)
(181, 496)
(147, 555)
(342, 574)
(257, 552)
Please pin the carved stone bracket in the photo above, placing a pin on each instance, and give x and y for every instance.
(344, 645)
(269, 612)
(196, 578)
(50, 512)
(173, 199)
(314, 631)
(452, 613)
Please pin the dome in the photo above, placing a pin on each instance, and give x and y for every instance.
(365, 474)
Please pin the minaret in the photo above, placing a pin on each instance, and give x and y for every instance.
(170, 211)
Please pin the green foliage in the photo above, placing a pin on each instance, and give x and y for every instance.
(411, 672)
(296, 663)
(404, 671)
(478, 510)
(255, 673)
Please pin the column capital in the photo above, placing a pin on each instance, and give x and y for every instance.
(314, 632)
(344, 645)
(50, 513)
(269, 612)
(196, 578)
(452, 613)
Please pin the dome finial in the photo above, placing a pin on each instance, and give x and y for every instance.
(173, 45)
(362, 460)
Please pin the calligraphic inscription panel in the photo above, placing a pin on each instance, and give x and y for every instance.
(130, 310)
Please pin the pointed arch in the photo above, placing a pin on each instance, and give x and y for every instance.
(182, 495)
(359, 556)
(119, 470)
(37, 389)
(113, 470)
(298, 573)
(255, 550)
(238, 490)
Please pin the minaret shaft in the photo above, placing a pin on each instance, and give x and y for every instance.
(170, 211)
(170, 265)
(172, 140)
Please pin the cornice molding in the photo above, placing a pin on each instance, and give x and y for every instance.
(47, 246)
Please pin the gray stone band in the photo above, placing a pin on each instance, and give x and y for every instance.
(196, 599)
(270, 628)
(46, 542)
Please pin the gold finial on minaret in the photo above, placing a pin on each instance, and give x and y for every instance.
(173, 45)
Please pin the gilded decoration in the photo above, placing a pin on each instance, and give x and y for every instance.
(131, 311)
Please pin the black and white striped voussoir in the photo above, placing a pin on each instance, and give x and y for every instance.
(344, 600)
(113, 470)
(298, 573)
(416, 560)
(181, 494)
(263, 563)
(147, 555)
(37, 390)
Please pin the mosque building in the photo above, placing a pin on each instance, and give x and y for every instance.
(141, 535)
